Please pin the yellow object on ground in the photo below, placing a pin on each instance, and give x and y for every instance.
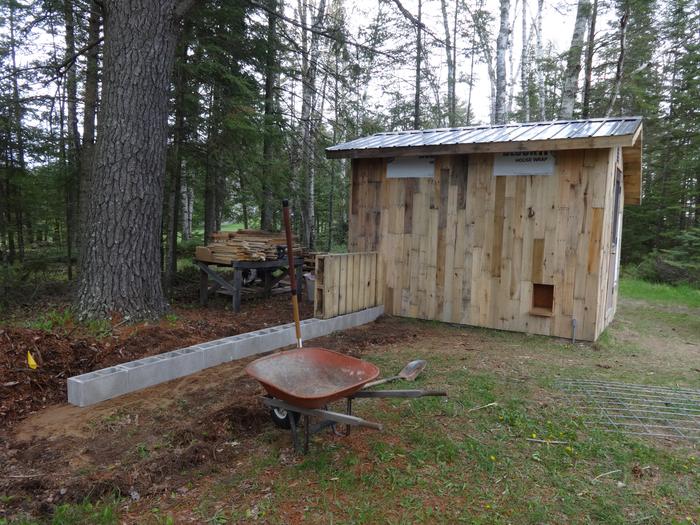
(30, 360)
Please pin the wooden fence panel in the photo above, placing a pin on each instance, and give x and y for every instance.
(346, 283)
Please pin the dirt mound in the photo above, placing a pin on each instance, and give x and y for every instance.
(65, 352)
(23, 390)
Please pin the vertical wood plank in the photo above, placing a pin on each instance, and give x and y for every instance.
(498, 219)
(318, 290)
(342, 284)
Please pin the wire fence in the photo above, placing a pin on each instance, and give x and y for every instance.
(637, 409)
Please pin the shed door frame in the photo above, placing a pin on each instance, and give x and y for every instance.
(615, 240)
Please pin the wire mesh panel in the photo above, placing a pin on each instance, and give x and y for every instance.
(637, 409)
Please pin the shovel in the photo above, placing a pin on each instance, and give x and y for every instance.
(409, 373)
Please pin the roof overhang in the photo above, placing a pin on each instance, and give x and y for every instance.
(625, 141)
(527, 136)
(632, 170)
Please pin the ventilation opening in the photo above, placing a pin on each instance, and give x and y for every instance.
(542, 299)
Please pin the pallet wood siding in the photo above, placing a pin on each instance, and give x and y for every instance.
(466, 247)
(607, 298)
(346, 283)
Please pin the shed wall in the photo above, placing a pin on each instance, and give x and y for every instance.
(466, 247)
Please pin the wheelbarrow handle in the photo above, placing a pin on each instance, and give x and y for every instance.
(397, 393)
(381, 381)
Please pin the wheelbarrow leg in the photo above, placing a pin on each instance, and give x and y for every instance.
(306, 434)
(293, 428)
(348, 411)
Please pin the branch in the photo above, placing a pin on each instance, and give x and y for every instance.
(318, 31)
(405, 12)
(60, 68)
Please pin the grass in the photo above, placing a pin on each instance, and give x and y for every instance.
(449, 461)
(470, 458)
(64, 320)
(660, 293)
(226, 227)
(85, 513)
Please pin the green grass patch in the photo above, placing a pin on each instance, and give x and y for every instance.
(660, 293)
(227, 227)
(85, 513)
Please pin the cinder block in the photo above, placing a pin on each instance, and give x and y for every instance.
(220, 352)
(313, 329)
(146, 372)
(93, 387)
(185, 361)
(107, 383)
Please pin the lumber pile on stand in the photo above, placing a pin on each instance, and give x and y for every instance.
(244, 245)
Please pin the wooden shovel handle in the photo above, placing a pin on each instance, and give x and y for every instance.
(292, 270)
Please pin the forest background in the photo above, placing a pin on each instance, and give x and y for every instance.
(154, 124)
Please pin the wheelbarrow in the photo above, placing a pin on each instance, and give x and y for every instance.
(304, 381)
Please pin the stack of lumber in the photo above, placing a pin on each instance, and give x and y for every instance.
(310, 260)
(243, 245)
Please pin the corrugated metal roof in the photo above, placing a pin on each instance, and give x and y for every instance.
(514, 133)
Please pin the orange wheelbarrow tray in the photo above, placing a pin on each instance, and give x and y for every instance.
(303, 381)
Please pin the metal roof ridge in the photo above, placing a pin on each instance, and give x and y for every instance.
(508, 124)
(509, 132)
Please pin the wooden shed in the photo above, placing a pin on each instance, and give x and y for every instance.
(514, 227)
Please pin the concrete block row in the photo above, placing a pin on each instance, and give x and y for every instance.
(107, 383)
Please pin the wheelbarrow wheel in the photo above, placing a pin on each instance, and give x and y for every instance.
(280, 417)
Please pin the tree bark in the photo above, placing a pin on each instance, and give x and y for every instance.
(451, 109)
(539, 57)
(588, 71)
(525, 67)
(73, 138)
(310, 61)
(187, 198)
(18, 165)
(267, 205)
(180, 86)
(573, 60)
(511, 72)
(501, 49)
(210, 173)
(90, 96)
(620, 64)
(121, 261)
(419, 56)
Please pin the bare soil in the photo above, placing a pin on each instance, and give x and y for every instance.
(173, 446)
(150, 444)
(69, 350)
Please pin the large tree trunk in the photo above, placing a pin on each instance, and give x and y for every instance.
(121, 261)
(501, 49)
(573, 60)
